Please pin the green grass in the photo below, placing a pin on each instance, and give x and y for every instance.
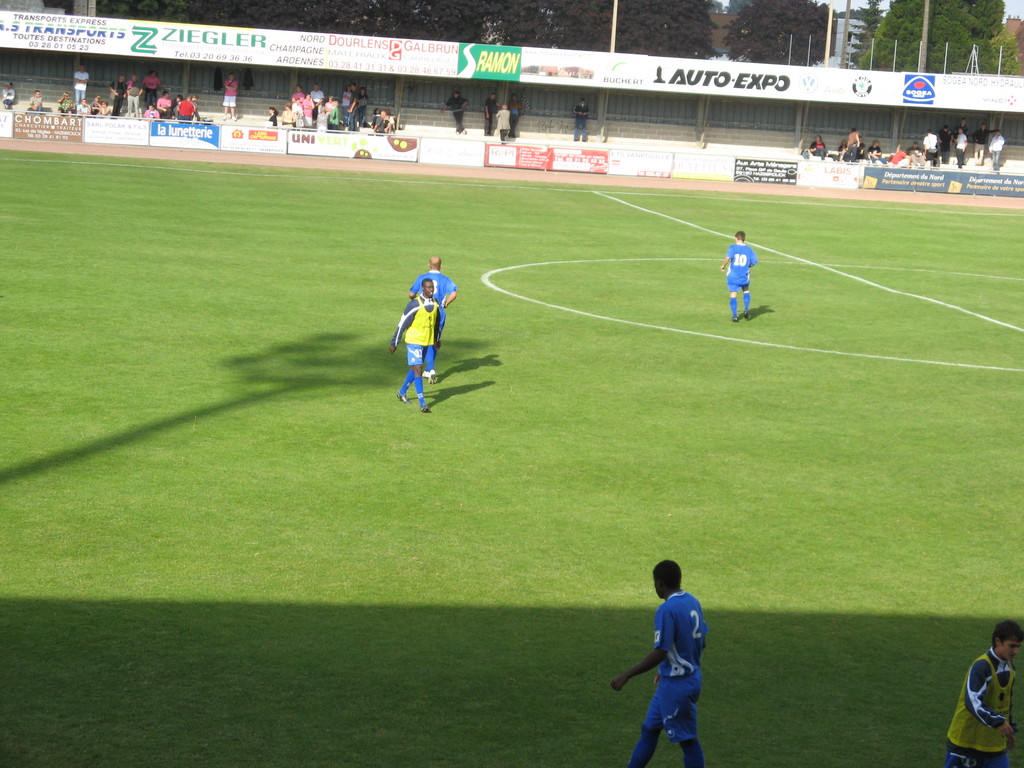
(224, 542)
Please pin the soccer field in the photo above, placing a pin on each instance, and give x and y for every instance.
(226, 543)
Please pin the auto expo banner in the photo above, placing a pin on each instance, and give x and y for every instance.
(536, 66)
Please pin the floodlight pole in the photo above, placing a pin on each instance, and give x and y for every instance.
(828, 33)
(615, 24)
(922, 56)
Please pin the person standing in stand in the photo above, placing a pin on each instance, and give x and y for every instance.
(457, 105)
(582, 114)
(490, 112)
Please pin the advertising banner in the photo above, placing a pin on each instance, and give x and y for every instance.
(489, 62)
(705, 167)
(244, 139)
(184, 135)
(47, 127)
(358, 146)
(947, 182)
(579, 160)
(625, 162)
(815, 173)
(518, 156)
(452, 152)
(6, 124)
(765, 171)
(116, 130)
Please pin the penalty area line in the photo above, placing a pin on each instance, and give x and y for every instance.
(486, 280)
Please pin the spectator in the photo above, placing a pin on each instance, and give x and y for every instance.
(9, 96)
(390, 121)
(81, 82)
(151, 85)
(916, 156)
(899, 158)
(288, 117)
(134, 94)
(581, 112)
(874, 153)
(317, 94)
(334, 117)
(299, 94)
(66, 105)
(504, 120)
(296, 111)
(94, 106)
(931, 148)
(853, 146)
(187, 110)
(945, 140)
(961, 145)
(490, 110)
(165, 105)
(995, 148)
(320, 110)
(105, 110)
(231, 97)
(345, 106)
(119, 90)
(35, 104)
(151, 113)
(307, 111)
(377, 122)
(515, 108)
(272, 118)
(980, 138)
(362, 100)
(83, 108)
(457, 104)
(816, 149)
(841, 151)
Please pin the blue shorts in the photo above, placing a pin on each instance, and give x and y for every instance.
(737, 287)
(674, 707)
(954, 760)
(414, 353)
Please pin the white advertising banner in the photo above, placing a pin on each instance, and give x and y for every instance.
(706, 167)
(242, 138)
(227, 45)
(184, 135)
(6, 124)
(452, 152)
(626, 162)
(360, 146)
(116, 130)
(815, 173)
(153, 40)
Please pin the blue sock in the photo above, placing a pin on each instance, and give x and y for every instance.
(418, 383)
(644, 749)
(405, 384)
(732, 305)
(693, 755)
(428, 358)
(746, 301)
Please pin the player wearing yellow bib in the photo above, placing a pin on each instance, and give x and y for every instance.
(419, 327)
(983, 730)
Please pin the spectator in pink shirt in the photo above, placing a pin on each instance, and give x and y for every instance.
(151, 83)
(230, 96)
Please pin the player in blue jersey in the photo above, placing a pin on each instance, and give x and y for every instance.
(982, 730)
(446, 292)
(739, 260)
(680, 634)
(420, 327)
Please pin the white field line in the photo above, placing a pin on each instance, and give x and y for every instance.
(486, 279)
(808, 262)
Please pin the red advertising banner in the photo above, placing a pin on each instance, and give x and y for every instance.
(517, 156)
(579, 160)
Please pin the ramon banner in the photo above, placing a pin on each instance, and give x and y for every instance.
(358, 146)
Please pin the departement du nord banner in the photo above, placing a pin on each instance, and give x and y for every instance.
(226, 45)
(550, 67)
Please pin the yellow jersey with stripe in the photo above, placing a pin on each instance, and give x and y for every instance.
(419, 323)
(985, 704)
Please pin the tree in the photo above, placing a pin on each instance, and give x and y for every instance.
(871, 17)
(954, 28)
(1010, 63)
(765, 29)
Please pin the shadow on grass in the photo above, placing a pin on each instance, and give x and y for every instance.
(324, 361)
(229, 684)
(764, 309)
